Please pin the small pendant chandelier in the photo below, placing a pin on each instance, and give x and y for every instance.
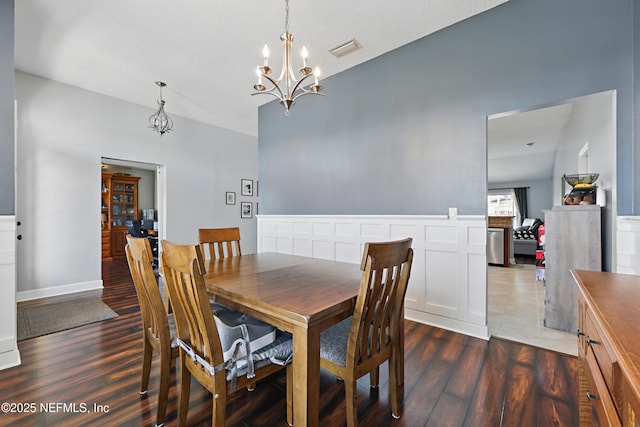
(159, 121)
(291, 88)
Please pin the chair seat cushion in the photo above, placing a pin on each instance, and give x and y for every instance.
(233, 325)
(279, 352)
(268, 344)
(216, 307)
(333, 342)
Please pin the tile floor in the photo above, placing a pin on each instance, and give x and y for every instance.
(516, 310)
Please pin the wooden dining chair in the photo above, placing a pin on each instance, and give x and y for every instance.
(201, 354)
(221, 242)
(360, 344)
(158, 328)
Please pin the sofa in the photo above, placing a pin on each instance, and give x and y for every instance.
(525, 237)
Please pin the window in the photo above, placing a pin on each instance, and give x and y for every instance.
(501, 205)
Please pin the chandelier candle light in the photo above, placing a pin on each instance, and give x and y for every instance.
(292, 88)
(159, 121)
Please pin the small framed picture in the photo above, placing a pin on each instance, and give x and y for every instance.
(246, 210)
(247, 187)
(231, 197)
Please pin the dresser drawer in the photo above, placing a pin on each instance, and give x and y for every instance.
(582, 312)
(595, 341)
(604, 412)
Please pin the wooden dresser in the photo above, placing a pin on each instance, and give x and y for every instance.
(609, 348)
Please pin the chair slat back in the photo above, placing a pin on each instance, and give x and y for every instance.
(386, 268)
(221, 242)
(152, 308)
(195, 324)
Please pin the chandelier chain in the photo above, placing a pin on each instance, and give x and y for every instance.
(286, 19)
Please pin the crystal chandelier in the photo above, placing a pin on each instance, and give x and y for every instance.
(159, 121)
(291, 88)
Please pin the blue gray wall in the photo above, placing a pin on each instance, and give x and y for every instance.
(636, 114)
(7, 87)
(405, 133)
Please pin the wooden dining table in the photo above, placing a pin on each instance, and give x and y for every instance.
(300, 295)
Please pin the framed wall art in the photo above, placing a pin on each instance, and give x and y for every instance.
(246, 210)
(247, 187)
(231, 197)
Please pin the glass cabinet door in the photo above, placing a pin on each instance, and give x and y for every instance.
(118, 206)
(104, 203)
(123, 202)
(130, 202)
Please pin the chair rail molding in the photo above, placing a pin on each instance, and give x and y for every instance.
(448, 284)
(9, 354)
(628, 245)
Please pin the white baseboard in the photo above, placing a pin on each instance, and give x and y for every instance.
(59, 290)
(466, 328)
(9, 359)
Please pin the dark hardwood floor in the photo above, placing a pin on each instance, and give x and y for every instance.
(450, 380)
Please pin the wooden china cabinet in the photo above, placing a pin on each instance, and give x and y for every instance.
(119, 205)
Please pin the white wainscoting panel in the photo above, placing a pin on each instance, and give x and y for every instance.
(628, 245)
(9, 355)
(448, 285)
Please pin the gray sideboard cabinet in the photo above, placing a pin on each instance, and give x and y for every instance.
(572, 241)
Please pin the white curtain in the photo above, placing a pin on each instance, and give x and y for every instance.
(517, 217)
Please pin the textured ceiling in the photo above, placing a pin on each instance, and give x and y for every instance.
(510, 159)
(207, 50)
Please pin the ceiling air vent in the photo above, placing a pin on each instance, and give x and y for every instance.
(345, 48)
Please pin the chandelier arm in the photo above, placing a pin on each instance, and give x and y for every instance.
(297, 86)
(275, 86)
(307, 92)
(268, 93)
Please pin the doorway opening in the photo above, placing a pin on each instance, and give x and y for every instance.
(533, 149)
(131, 190)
